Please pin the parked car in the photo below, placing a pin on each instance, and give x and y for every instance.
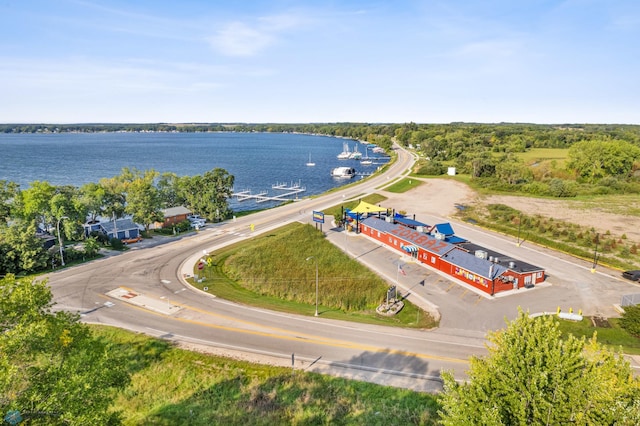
(632, 275)
(131, 240)
(198, 223)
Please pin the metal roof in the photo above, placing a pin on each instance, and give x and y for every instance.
(507, 261)
(409, 222)
(471, 263)
(121, 225)
(420, 239)
(444, 228)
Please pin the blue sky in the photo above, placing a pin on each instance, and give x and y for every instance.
(537, 61)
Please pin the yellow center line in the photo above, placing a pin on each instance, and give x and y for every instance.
(291, 336)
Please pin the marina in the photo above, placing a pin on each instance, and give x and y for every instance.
(291, 190)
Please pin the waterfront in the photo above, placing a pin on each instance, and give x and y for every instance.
(257, 160)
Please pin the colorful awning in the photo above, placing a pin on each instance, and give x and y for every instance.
(410, 249)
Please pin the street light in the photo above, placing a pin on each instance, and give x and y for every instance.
(309, 258)
(60, 239)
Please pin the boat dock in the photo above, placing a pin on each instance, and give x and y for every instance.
(263, 196)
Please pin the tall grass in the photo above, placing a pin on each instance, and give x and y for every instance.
(272, 271)
(171, 386)
(277, 267)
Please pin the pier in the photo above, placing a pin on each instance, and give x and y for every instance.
(290, 190)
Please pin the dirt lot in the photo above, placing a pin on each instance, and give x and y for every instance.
(439, 196)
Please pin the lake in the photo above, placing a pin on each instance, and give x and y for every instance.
(257, 160)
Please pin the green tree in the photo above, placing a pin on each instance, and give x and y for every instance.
(168, 188)
(92, 197)
(8, 192)
(512, 170)
(208, 195)
(532, 376)
(33, 203)
(67, 208)
(115, 197)
(91, 247)
(20, 249)
(52, 370)
(595, 159)
(143, 201)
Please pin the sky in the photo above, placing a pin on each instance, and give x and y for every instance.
(312, 61)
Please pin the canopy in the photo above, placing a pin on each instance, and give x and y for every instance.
(364, 207)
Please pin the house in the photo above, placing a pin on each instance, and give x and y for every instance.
(173, 215)
(47, 239)
(123, 229)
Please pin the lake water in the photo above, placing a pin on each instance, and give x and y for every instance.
(256, 160)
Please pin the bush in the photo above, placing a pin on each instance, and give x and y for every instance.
(100, 237)
(562, 188)
(431, 168)
(630, 320)
(536, 188)
(116, 243)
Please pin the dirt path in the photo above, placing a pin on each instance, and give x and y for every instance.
(439, 196)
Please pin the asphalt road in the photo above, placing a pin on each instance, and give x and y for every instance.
(156, 301)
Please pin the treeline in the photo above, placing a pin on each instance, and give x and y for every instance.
(602, 158)
(499, 137)
(44, 210)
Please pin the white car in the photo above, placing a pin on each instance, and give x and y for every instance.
(198, 223)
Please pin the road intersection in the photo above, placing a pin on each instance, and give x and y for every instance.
(144, 290)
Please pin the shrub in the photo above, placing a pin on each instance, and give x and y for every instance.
(100, 237)
(630, 320)
(562, 188)
(431, 168)
(116, 243)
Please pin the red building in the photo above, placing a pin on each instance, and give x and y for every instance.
(438, 248)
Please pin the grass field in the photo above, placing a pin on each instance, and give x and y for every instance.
(272, 271)
(171, 386)
(536, 155)
(404, 185)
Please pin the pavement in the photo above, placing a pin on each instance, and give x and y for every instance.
(161, 306)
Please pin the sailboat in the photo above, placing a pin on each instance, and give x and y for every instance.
(345, 154)
(366, 160)
(310, 163)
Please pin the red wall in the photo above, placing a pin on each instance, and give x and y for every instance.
(425, 257)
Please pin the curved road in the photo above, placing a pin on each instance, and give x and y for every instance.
(143, 290)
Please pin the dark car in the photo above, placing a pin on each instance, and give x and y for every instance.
(632, 275)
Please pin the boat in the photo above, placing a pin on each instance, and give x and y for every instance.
(310, 163)
(366, 160)
(345, 154)
(355, 155)
(343, 172)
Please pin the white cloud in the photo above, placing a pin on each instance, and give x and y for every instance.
(238, 39)
(243, 39)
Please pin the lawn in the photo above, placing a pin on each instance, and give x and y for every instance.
(609, 333)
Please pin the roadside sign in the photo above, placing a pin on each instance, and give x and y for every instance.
(318, 217)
